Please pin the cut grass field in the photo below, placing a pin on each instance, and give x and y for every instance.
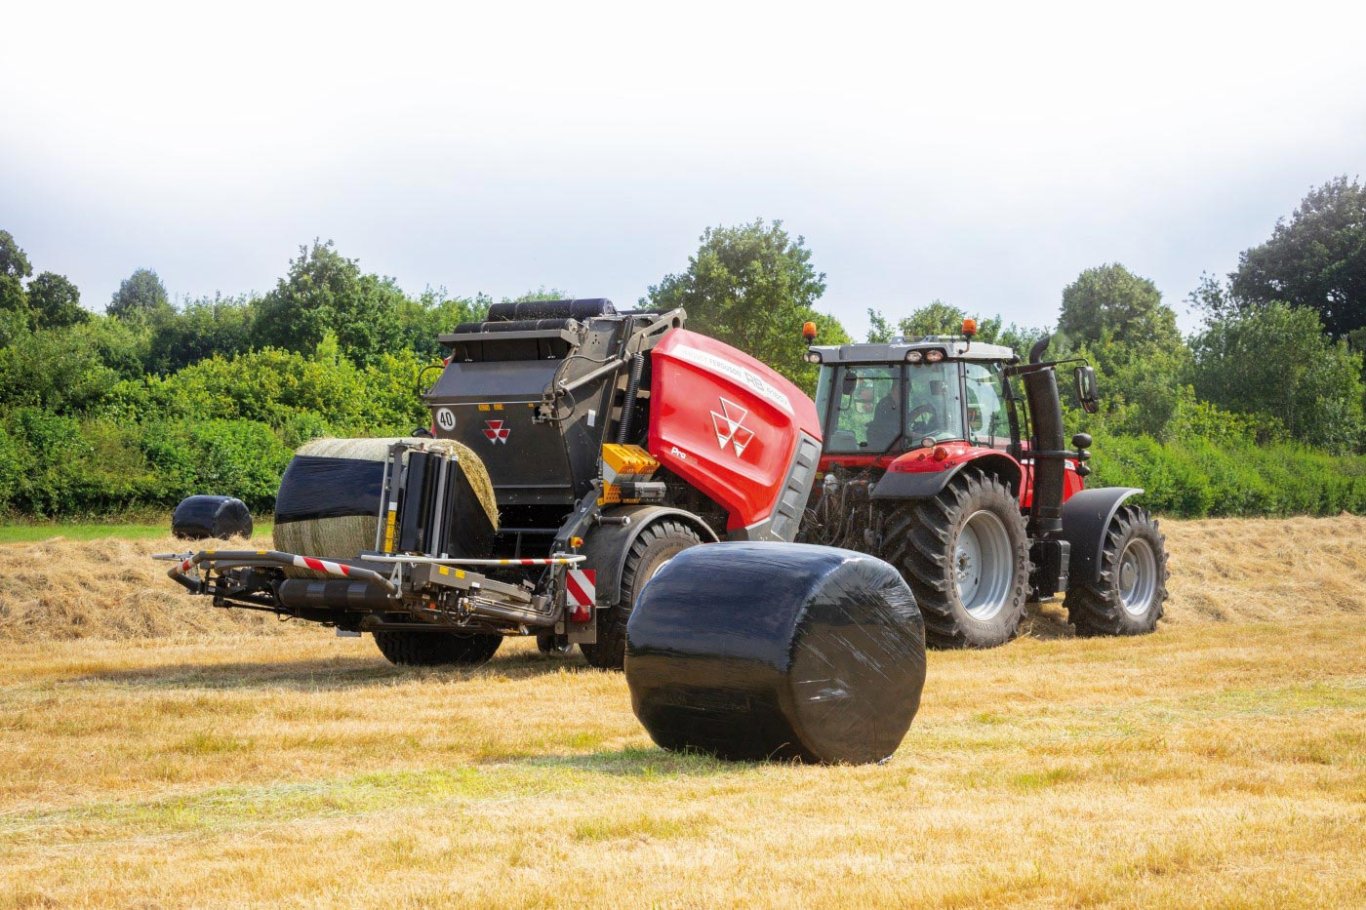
(36, 531)
(1220, 762)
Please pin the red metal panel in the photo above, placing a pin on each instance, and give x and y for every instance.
(725, 423)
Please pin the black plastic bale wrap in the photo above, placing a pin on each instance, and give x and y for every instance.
(758, 651)
(329, 500)
(201, 517)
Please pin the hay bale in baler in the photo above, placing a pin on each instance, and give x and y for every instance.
(759, 651)
(329, 498)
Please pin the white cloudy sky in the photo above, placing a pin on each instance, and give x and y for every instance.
(979, 154)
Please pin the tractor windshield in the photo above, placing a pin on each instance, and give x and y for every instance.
(877, 408)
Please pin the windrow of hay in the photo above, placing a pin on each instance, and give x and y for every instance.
(62, 589)
(1222, 570)
(345, 536)
(1254, 569)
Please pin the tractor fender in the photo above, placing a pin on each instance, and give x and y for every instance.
(1085, 516)
(924, 484)
(606, 545)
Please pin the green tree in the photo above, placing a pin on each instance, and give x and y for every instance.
(1275, 360)
(936, 318)
(13, 261)
(1317, 259)
(55, 302)
(1110, 301)
(205, 327)
(140, 296)
(940, 318)
(880, 329)
(326, 292)
(433, 313)
(14, 312)
(753, 286)
(53, 370)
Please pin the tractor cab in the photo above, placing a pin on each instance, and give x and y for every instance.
(878, 402)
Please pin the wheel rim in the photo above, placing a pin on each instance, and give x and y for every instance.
(1137, 577)
(982, 565)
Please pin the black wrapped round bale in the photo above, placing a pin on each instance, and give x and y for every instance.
(200, 517)
(757, 651)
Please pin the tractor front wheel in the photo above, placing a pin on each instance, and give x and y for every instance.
(1127, 598)
(965, 555)
(415, 648)
(655, 546)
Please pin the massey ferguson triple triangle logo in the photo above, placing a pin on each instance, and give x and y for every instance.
(730, 427)
(497, 431)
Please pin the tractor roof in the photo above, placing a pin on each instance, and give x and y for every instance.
(894, 351)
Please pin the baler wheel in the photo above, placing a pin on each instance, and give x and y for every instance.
(1128, 598)
(411, 648)
(965, 555)
(655, 546)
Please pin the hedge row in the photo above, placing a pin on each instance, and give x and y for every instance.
(1196, 478)
(55, 466)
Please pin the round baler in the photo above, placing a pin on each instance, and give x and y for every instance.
(573, 451)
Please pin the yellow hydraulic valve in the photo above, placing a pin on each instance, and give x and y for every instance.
(623, 468)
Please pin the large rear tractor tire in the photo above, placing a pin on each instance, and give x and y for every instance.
(1129, 596)
(965, 555)
(414, 648)
(655, 546)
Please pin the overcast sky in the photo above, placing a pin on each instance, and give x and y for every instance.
(979, 155)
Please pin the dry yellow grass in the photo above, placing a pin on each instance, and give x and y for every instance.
(63, 589)
(1217, 763)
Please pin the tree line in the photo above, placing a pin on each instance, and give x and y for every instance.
(1259, 412)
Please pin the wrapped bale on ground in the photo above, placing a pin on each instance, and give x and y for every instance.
(777, 651)
(329, 499)
(202, 517)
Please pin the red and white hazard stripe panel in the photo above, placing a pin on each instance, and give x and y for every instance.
(581, 587)
(322, 565)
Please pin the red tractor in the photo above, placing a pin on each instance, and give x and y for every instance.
(934, 461)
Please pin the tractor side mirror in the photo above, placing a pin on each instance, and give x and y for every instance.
(849, 383)
(1087, 394)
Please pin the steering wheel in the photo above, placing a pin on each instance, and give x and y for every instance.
(925, 414)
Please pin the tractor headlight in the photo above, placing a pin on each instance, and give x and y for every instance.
(914, 356)
(813, 356)
(934, 356)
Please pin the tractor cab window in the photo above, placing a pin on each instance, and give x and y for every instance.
(875, 408)
(988, 424)
(865, 417)
(934, 403)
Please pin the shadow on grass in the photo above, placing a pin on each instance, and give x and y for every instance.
(642, 762)
(1046, 622)
(334, 673)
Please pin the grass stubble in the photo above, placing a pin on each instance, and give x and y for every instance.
(172, 755)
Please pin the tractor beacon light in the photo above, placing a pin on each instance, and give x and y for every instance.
(969, 327)
(809, 332)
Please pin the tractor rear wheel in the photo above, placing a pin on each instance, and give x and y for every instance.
(415, 648)
(655, 546)
(965, 555)
(1128, 598)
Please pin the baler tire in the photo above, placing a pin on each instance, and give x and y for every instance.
(655, 546)
(923, 542)
(410, 648)
(1133, 539)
